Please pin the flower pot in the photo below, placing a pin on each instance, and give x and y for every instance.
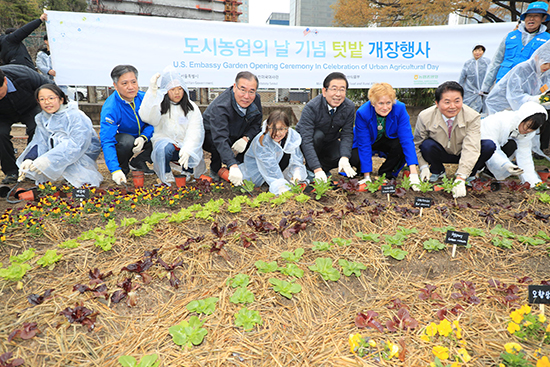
(205, 178)
(24, 194)
(406, 173)
(224, 173)
(181, 180)
(138, 178)
(543, 175)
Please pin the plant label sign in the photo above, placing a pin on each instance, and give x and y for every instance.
(83, 194)
(457, 238)
(422, 202)
(388, 189)
(539, 294)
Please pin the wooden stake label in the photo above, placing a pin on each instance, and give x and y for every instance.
(388, 189)
(422, 202)
(83, 194)
(539, 294)
(457, 238)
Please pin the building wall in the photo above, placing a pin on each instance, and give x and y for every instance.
(311, 13)
(188, 9)
(245, 9)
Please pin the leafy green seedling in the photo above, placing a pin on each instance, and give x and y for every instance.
(323, 266)
(543, 235)
(242, 295)
(128, 221)
(295, 187)
(88, 235)
(292, 270)
(281, 199)
(301, 198)
(247, 318)
(263, 197)
(531, 241)
(69, 244)
(476, 232)
(183, 215)
(146, 361)
(142, 231)
(206, 306)
(110, 228)
(397, 239)
(15, 271)
(448, 184)
(293, 257)
(341, 242)
(25, 256)
(321, 246)
(373, 237)
(235, 203)
(247, 187)
(396, 253)
(204, 214)
(154, 218)
(264, 267)
(434, 245)
(544, 197)
(214, 205)
(105, 242)
(374, 186)
(321, 187)
(349, 267)
(444, 229)
(498, 230)
(49, 258)
(188, 333)
(406, 231)
(285, 289)
(406, 183)
(502, 242)
(240, 280)
(425, 186)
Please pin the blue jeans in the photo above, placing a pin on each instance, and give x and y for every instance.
(172, 155)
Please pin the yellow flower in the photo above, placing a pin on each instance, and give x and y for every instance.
(458, 330)
(525, 309)
(426, 338)
(372, 343)
(501, 365)
(455, 364)
(464, 356)
(393, 349)
(542, 318)
(513, 327)
(444, 328)
(516, 316)
(441, 352)
(431, 329)
(355, 341)
(543, 362)
(548, 328)
(512, 348)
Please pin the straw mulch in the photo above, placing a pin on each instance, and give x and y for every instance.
(311, 329)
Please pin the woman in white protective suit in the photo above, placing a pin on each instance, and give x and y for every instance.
(513, 133)
(65, 144)
(471, 78)
(179, 132)
(274, 155)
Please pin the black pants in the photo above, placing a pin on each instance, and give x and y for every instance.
(509, 148)
(395, 158)
(124, 146)
(216, 159)
(545, 134)
(328, 152)
(7, 154)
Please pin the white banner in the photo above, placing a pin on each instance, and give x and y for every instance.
(86, 46)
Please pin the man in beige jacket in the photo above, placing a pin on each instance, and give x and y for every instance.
(449, 132)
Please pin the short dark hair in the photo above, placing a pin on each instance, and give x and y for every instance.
(2, 76)
(448, 86)
(54, 88)
(248, 76)
(332, 76)
(480, 47)
(45, 37)
(10, 30)
(535, 121)
(120, 70)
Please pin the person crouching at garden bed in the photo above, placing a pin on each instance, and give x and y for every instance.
(65, 145)
(179, 132)
(382, 126)
(274, 155)
(513, 133)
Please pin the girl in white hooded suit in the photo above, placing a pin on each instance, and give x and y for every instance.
(513, 133)
(179, 132)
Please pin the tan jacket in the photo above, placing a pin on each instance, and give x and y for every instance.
(465, 137)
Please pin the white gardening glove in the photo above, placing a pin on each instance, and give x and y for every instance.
(296, 176)
(513, 169)
(343, 165)
(119, 177)
(40, 164)
(240, 145)
(425, 173)
(235, 176)
(153, 82)
(26, 165)
(184, 159)
(415, 181)
(321, 175)
(460, 189)
(138, 145)
(365, 180)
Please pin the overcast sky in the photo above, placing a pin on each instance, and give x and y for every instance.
(261, 9)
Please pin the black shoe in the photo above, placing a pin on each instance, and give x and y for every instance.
(141, 166)
(10, 179)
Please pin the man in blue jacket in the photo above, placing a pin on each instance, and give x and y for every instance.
(125, 138)
(518, 45)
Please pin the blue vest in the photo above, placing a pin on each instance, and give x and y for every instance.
(515, 51)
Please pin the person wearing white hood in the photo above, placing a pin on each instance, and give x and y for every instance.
(64, 145)
(513, 133)
(274, 155)
(179, 132)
